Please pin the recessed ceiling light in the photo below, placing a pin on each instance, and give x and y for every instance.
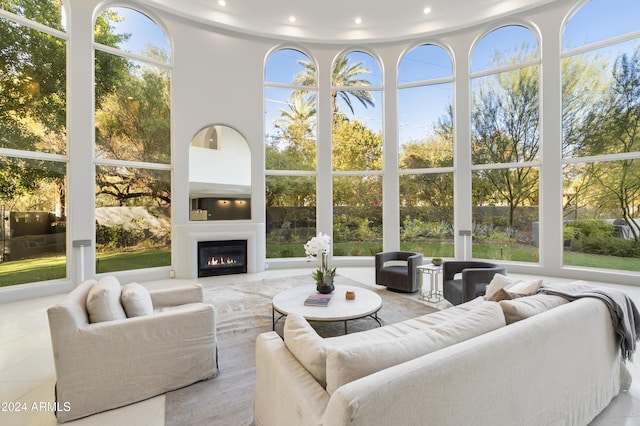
(427, 10)
(358, 21)
(222, 2)
(292, 19)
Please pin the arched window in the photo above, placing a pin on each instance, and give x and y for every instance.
(601, 135)
(132, 142)
(425, 123)
(505, 144)
(291, 90)
(357, 140)
(33, 141)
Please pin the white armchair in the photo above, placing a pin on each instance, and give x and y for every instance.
(110, 364)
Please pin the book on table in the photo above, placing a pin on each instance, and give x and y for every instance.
(318, 299)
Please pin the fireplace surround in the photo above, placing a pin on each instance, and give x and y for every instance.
(187, 236)
(222, 257)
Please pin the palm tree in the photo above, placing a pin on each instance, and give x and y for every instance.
(301, 112)
(342, 75)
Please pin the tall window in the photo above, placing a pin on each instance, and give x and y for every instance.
(425, 114)
(290, 152)
(33, 142)
(601, 136)
(132, 142)
(356, 102)
(505, 145)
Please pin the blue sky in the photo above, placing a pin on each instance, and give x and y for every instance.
(142, 29)
(420, 108)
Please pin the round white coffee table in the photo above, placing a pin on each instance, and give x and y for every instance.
(366, 304)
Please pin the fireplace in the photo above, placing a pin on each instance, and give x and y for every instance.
(222, 257)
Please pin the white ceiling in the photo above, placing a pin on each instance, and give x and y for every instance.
(332, 21)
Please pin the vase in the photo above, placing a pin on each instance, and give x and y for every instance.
(325, 289)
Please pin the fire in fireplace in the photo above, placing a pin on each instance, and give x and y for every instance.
(222, 257)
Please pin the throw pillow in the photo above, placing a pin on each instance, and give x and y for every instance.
(499, 295)
(525, 287)
(103, 301)
(498, 282)
(306, 346)
(525, 307)
(136, 300)
(353, 361)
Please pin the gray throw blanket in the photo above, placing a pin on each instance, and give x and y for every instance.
(624, 314)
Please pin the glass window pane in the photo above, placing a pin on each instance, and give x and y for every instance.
(601, 102)
(512, 44)
(504, 117)
(133, 218)
(291, 66)
(46, 12)
(132, 110)
(356, 69)
(33, 111)
(357, 215)
(505, 214)
(426, 126)
(291, 214)
(356, 146)
(357, 113)
(33, 242)
(291, 129)
(133, 32)
(426, 214)
(601, 215)
(582, 29)
(426, 62)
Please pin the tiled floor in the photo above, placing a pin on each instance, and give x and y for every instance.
(27, 373)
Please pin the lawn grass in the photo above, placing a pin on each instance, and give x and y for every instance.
(112, 262)
(32, 270)
(51, 268)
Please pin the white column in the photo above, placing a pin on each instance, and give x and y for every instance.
(80, 133)
(390, 182)
(462, 218)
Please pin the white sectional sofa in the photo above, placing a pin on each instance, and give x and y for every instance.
(537, 360)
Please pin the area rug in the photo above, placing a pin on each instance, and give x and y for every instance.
(243, 311)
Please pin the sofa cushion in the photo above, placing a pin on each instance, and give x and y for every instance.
(347, 363)
(136, 300)
(525, 307)
(306, 346)
(498, 282)
(103, 301)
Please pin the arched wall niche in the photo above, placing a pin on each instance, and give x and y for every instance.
(219, 175)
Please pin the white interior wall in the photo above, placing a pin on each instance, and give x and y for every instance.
(218, 78)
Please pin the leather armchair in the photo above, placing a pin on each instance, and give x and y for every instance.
(397, 270)
(474, 277)
(105, 365)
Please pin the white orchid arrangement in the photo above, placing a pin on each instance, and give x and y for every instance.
(319, 247)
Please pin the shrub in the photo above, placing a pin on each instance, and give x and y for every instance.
(412, 229)
(607, 245)
(593, 227)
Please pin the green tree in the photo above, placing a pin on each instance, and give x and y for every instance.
(33, 101)
(617, 130)
(505, 130)
(343, 74)
(356, 147)
(427, 189)
(133, 124)
(293, 146)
